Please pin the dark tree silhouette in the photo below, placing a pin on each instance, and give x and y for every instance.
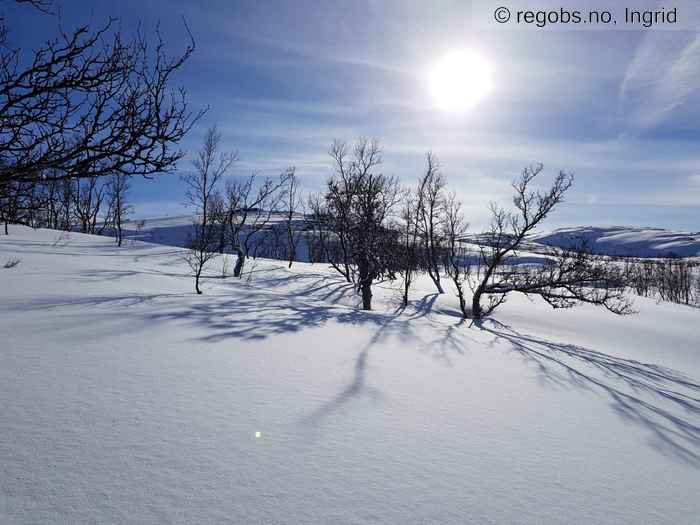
(359, 206)
(90, 103)
(455, 228)
(293, 204)
(430, 206)
(119, 208)
(209, 167)
(87, 203)
(408, 251)
(573, 276)
(249, 206)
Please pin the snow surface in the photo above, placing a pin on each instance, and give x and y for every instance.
(126, 398)
(626, 241)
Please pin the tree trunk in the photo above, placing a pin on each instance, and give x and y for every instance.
(462, 302)
(6, 232)
(118, 221)
(476, 304)
(366, 288)
(435, 276)
(240, 261)
(196, 281)
(292, 247)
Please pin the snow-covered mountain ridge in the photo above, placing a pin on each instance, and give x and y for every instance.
(626, 241)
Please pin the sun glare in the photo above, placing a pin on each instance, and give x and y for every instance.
(460, 80)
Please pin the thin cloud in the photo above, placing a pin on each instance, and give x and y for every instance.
(662, 78)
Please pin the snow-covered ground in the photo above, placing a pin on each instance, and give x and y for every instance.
(626, 241)
(126, 398)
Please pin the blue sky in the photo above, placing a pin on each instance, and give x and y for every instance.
(619, 109)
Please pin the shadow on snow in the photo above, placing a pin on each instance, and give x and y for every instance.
(657, 398)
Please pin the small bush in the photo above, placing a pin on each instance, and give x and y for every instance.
(672, 279)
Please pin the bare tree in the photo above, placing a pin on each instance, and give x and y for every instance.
(7, 212)
(117, 189)
(671, 279)
(339, 196)
(408, 249)
(292, 206)
(87, 202)
(317, 232)
(360, 203)
(66, 199)
(201, 249)
(573, 276)
(249, 208)
(22, 203)
(217, 214)
(52, 207)
(33, 205)
(210, 166)
(90, 103)
(11, 203)
(430, 208)
(456, 265)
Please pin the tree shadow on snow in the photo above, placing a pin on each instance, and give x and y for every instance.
(254, 315)
(659, 399)
(357, 385)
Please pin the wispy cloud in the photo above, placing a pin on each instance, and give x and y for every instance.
(662, 79)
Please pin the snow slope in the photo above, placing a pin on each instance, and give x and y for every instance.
(626, 241)
(126, 398)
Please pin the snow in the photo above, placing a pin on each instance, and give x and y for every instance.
(626, 241)
(126, 398)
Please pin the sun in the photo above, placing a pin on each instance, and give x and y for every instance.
(460, 80)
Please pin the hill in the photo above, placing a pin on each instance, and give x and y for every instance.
(626, 241)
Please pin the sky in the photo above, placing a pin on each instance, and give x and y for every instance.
(620, 109)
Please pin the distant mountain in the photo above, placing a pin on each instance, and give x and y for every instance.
(626, 241)
(173, 230)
